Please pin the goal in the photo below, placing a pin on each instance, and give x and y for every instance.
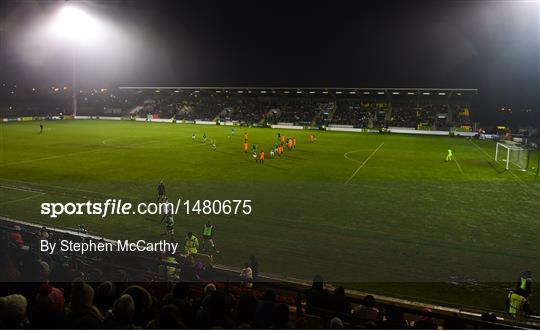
(513, 157)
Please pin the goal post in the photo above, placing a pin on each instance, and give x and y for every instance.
(512, 157)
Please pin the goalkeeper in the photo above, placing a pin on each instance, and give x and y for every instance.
(450, 155)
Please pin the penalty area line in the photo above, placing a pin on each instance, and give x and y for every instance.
(459, 167)
(364, 163)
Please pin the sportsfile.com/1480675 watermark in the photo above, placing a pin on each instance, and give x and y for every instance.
(119, 207)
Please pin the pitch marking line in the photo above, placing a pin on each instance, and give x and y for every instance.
(364, 163)
(457, 163)
(519, 180)
(37, 194)
(355, 151)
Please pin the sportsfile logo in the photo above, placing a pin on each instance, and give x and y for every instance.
(118, 207)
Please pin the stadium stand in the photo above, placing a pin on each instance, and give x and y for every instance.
(372, 109)
(149, 291)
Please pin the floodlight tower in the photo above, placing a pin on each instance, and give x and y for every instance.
(75, 25)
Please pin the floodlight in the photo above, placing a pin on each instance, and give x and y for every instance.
(74, 23)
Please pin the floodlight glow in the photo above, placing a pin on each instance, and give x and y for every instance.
(380, 92)
(410, 93)
(74, 23)
(395, 93)
(366, 92)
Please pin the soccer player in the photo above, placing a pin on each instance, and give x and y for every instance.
(294, 142)
(232, 132)
(311, 138)
(214, 145)
(41, 128)
(193, 135)
(208, 236)
(165, 209)
(246, 137)
(450, 155)
(280, 150)
(254, 154)
(169, 224)
(261, 157)
(204, 137)
(272, 152)
(161, 191)
(289, 144)
(245, 147)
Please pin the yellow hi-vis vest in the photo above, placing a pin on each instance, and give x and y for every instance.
(171, 271)
(191, 245)
(523, 283)
(516, 303)
(208, 230)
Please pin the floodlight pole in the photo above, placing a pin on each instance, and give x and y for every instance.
(74, 83)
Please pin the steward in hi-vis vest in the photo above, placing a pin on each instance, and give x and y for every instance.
(208, 237)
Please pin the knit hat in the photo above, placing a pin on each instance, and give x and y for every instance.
(13, 310)
(51, 299)
(336, 324)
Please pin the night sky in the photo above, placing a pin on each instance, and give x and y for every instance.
(489, 45)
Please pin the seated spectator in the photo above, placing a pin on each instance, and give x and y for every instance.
(215, 315)
(341, 305)
(426, 322)
(143, 305)
(366, 312)
(395, 319)
(245, 309)
(122, 313)
(105, 295)
(336, 324)
(48, 311)
(317, 297)
(13, 312)
(169, 319)
(265, 310)
(82, 314)
(280, 317)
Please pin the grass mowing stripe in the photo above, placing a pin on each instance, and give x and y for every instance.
(364, 163)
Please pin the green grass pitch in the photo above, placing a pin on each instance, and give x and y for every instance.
(368, 210)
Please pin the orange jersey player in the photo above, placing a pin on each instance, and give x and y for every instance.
(245, 147)
(289, 144)
(246, 136)
(280, 150)
(282, 139)
(261, 156)
(294, 142)
(311, 138)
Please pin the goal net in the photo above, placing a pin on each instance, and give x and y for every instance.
(512, 157)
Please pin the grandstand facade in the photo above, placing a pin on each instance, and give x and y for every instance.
(369, 108)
